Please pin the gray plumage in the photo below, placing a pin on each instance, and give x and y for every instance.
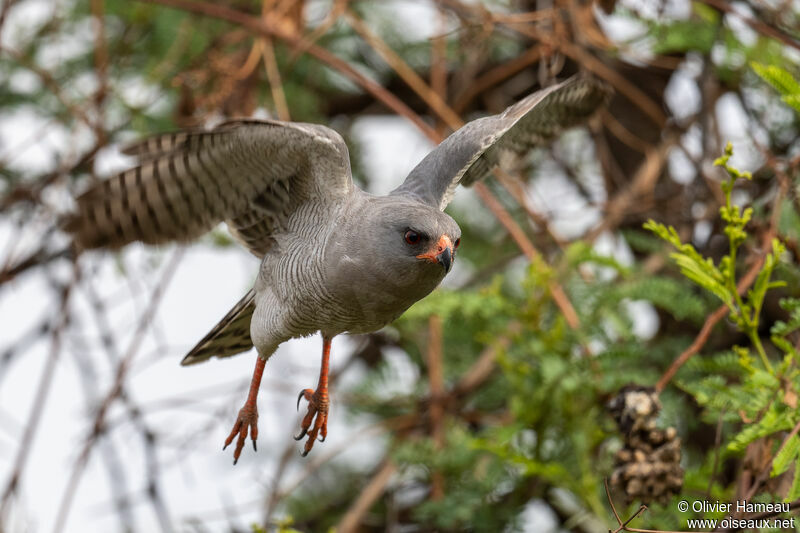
(335, 259)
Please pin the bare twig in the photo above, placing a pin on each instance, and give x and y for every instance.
(641, 184)
(267, 28)
(98, 426)
(623, 526)
(372, 491)
(430, 96)
(557, 292)
(758, 25)
(4, 12)
(42, 392)
(497, 75)
(274, 77)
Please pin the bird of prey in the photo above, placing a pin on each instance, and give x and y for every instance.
(334, 259)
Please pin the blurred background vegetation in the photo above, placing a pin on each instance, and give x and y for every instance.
(568, 350)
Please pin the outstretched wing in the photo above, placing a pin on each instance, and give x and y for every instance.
(471, 153)
(249, 173)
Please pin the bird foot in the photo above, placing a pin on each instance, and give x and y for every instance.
(246, 421)
(317, 407)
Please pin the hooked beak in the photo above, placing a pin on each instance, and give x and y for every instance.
(441, 252)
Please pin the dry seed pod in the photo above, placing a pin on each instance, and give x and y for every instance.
(648, 467)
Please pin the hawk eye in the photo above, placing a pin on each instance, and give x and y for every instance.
(455, 245)
(412, 237)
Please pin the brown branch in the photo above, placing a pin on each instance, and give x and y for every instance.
(100, 66)
(338, 7)
(40, 399)
(483, 367)
(557, 292)
(516, 188)
(134, 413)
(623, 526)
(574, 52)
(52, 84)
(693, 348)
(414, 80)
(267, 28)
(99, 423)
(38, 258)
(759, 26)
(622, 133)
(371, 492)
(642, 184)
(275, 82)
(620, 83)
(497, 75)
(4, 12)
(438, 67)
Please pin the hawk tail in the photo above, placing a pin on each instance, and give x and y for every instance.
(229, 337)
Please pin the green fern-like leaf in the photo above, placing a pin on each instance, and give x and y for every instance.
(668, 294)
(783, 459)
(772, 422)
(723, 363)
(779, 78)
(794, 492)
(782, 81)
(792, 100)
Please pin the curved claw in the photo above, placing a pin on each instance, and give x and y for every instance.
(308, 394)
(304, 453)
(315, 423)
(246, 422)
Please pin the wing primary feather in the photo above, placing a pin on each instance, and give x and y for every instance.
(470, 153)
(229, 337)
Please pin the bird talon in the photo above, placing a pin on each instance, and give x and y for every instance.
(315, 423)
(246, 422)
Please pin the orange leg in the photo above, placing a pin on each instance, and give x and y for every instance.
(248, 415)
(318, 403)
